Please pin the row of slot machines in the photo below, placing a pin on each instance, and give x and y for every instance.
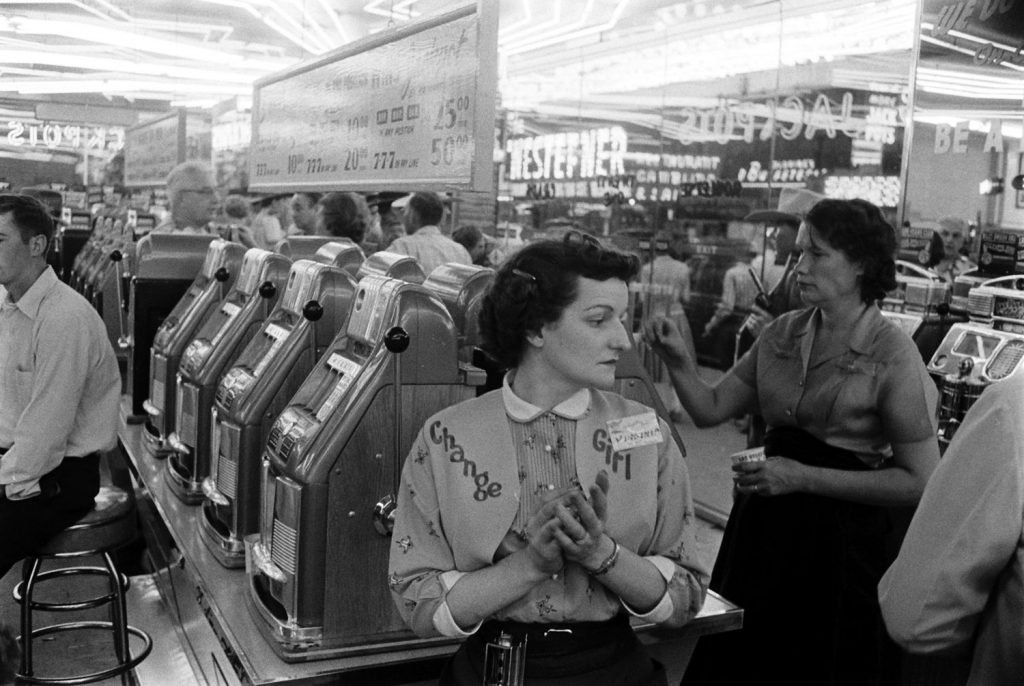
(970, 333)
(283, 393)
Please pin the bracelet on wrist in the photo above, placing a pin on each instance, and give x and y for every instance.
(608, 563)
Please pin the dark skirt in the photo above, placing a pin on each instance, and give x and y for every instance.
(596, 653)
(804, 568)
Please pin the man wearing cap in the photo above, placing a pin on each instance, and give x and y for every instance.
(425, 241)
(267, 225)
(192, 197)
(779, 278)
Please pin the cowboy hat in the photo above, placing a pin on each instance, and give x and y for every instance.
(794, 203)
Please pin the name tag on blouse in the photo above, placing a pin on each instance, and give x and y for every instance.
(634, 432)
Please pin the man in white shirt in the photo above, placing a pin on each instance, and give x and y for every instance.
(425, 241)
(59, 388)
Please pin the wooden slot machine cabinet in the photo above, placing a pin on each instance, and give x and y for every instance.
(218, 343)
(317, 567)
(216, 277)
(164, 266)
(977, 353)
(254, 390)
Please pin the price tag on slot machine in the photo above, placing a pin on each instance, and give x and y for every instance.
(278, 334)
(347, 370)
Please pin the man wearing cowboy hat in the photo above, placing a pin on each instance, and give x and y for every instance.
(778, 278)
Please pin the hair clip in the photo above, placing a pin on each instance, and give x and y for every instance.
(525, 275)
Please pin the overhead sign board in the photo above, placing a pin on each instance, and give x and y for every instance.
(412, 109)
(153, 149)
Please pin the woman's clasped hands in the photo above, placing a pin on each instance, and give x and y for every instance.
(569, 526)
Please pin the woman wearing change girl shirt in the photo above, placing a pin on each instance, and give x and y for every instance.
(516, 515)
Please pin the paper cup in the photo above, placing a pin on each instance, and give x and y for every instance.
(751, 455)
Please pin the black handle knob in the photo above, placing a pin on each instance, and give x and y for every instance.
(267, 289)
(942, 309)
(396, 339)
(221, 274)
(116, 256)
(313, 311)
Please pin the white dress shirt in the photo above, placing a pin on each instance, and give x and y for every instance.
(59, 383)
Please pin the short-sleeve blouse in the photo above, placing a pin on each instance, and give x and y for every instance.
(873, 393)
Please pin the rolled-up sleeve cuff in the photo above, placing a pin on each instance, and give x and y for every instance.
(663, 610)
(443, 620)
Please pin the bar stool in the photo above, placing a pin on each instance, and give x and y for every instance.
(109, 526)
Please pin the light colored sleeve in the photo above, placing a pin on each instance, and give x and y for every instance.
(64, 354)
(421, 560)
(673, 548)
(965, 531)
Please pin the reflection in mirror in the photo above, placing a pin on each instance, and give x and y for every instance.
(965, 146)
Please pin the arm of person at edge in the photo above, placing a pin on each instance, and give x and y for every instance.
(62, 363)
(902, 484)
(965, 532)
(725, 306)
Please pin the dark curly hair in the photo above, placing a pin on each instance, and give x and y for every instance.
(858, 229)
(534, 286)
(345, 215)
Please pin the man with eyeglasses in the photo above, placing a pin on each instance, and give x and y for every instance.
(192, 196)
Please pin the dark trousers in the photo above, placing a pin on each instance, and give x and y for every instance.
(67, 494)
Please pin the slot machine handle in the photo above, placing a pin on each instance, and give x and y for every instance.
(313, 311)
(122, 339)
(267, 290)
(396, 340)
(222, 274)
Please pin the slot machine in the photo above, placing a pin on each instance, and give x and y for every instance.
(102, 240)
(217, 344)
(462, 288)
(977, 353)
(384, 263)
(70, 240)
(216, 277)
(330, 471)
(920, 306)
(303, 247)
(341, 253)
(254, 390)
(163, 268)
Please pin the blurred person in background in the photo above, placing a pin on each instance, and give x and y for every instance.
(192, 197)
(237, 215)
(303, 206)
(475, 243)
(344, 215)
(953, 231)
(424, 240)
(268, 224)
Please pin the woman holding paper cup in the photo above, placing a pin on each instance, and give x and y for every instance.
(535, 519)
(850, 411)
